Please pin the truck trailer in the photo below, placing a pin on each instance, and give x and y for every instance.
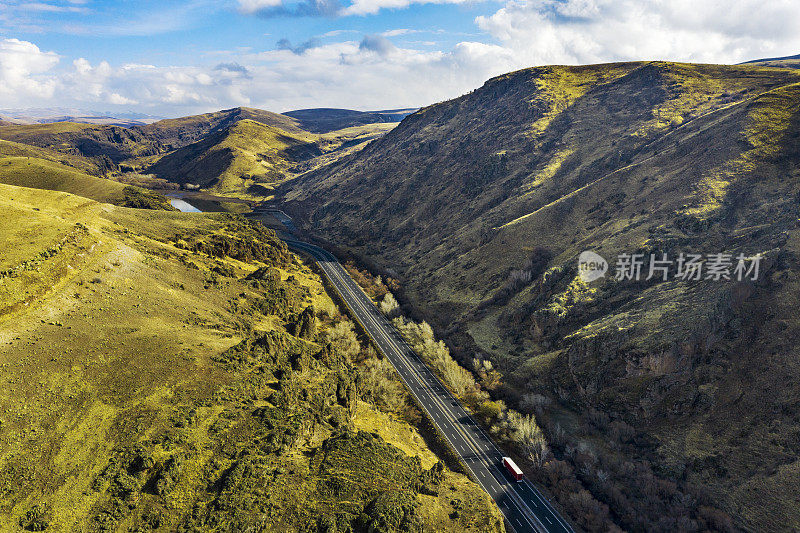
(513, 469)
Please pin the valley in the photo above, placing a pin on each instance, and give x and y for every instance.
(215, 382)
(480, 207)
(238, 152)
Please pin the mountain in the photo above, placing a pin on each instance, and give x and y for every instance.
(249, 158)
(179, 372)
(324, 120)
(237, 158)
(663, 399)
(784, 58)
(239, 151)
(119, 144)
(103, 120)
(777, 62)
(179, 132)
(106, 146)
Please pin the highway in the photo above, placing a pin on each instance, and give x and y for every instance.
(523, 506)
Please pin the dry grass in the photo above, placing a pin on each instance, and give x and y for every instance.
(112, 351)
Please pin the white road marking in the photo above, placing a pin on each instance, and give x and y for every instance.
(354, 298)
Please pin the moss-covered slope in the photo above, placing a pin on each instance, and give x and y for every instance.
(175, 372)
(482, 205)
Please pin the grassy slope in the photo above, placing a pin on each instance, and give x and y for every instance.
(249, 158)
(134, 394)
(234, 158)
(178, 132)
(616, 158)
(101, 146)
(16, 149)
(48, 175)
(43, 174)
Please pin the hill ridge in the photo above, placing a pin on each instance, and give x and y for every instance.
(645, 158)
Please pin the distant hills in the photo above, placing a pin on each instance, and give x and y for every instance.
(237, 156)
(778, 62)
(240, 151)
(784, 58)
(60, 114)
(323, 120)
(318, 120)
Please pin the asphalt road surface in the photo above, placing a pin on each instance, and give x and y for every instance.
(523, 506)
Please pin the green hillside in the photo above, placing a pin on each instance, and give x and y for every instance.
(105, 146)
(43, 174)
(174, 372)
(249, 158)
(239, 151)
(481, 206)
(78, 162)
(179, 132)
(237, 158)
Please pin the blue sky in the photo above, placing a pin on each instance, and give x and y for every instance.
(186, 33)
(179, 57)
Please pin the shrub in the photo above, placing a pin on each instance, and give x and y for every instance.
(490, 410)
(389, 305)
(490, 378)
(142, 199)
(526, 435)
(620, 431)
(436, 354)
(344, 340)
(378, 383)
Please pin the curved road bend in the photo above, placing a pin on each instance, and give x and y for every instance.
(523, 506)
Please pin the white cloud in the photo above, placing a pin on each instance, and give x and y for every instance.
(116, 99)
(167, 90)
(336, 33)
(254, 6)
(398, 31)
(587, 31)
(24, 71)
(53, 8)
(370, 7)
(372, 72)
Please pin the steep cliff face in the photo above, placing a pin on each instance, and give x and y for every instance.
(483, 204)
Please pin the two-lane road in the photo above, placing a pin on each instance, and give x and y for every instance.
(522, 505)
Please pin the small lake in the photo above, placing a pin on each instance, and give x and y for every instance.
(183, 205)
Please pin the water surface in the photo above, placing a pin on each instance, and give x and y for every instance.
(183, 205)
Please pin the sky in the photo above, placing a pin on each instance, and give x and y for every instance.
(173, 58)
